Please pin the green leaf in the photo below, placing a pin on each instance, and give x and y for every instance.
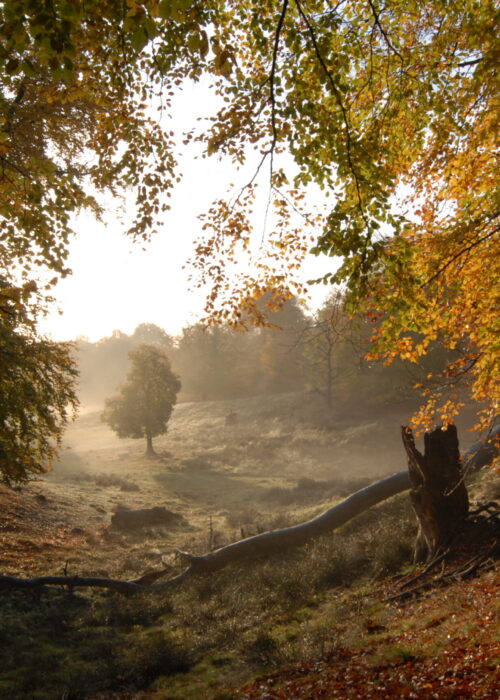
(169, 9)
(64, 75)
(28, 69)
(150, 27)
(165, 9)
(139, 39)
(194, 42)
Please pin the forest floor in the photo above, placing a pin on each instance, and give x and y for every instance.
(313, 623)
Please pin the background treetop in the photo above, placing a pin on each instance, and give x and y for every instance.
(144, 404)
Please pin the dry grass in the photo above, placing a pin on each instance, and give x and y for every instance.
(274, 468)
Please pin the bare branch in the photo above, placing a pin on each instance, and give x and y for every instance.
(338, 98)
(472, 62)
(272, 77)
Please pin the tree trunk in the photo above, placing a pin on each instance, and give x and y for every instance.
(149, 445)
(438, 493)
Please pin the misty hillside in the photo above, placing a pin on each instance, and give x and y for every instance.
(290, 433)
(279, 453)
(287, 433)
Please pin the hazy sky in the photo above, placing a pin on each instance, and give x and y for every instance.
(117, 284)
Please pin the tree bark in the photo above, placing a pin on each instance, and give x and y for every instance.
(438, 493)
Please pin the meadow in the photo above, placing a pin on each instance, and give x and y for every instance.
(276, 463)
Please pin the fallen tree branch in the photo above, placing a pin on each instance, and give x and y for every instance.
(480, 538)
(268, 543)
(431, 565)
(446, 579)
(47, 582)
(70, 582)
(265, 544)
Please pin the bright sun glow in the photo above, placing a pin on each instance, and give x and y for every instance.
(118, 284)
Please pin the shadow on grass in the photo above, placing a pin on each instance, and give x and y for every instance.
(205, 485)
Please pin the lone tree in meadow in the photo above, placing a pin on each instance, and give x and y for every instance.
(146, 399)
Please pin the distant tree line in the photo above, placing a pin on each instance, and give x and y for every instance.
(324, 352)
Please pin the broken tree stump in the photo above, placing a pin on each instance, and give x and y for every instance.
(438, 493)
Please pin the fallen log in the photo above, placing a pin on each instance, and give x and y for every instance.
(267, 543)
(47, 582)
(277, 540)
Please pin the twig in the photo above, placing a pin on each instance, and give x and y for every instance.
(474, 563)
(338, 98)
(457, 255)
(472, 62)
(409, 594)
(376, 17)
(463, 571)
(428, 568)
(488, 507)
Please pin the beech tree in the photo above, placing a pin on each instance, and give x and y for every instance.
(144, 404)
(389, 108)
(75, 79)
(37, 394)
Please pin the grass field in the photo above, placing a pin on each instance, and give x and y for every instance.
(280, 463)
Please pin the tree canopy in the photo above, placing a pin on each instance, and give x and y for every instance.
(37, 396)
(75, 86)
(144, 404)
(389, 107)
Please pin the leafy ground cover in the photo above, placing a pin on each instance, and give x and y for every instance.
(311, 623)
(441, 644)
